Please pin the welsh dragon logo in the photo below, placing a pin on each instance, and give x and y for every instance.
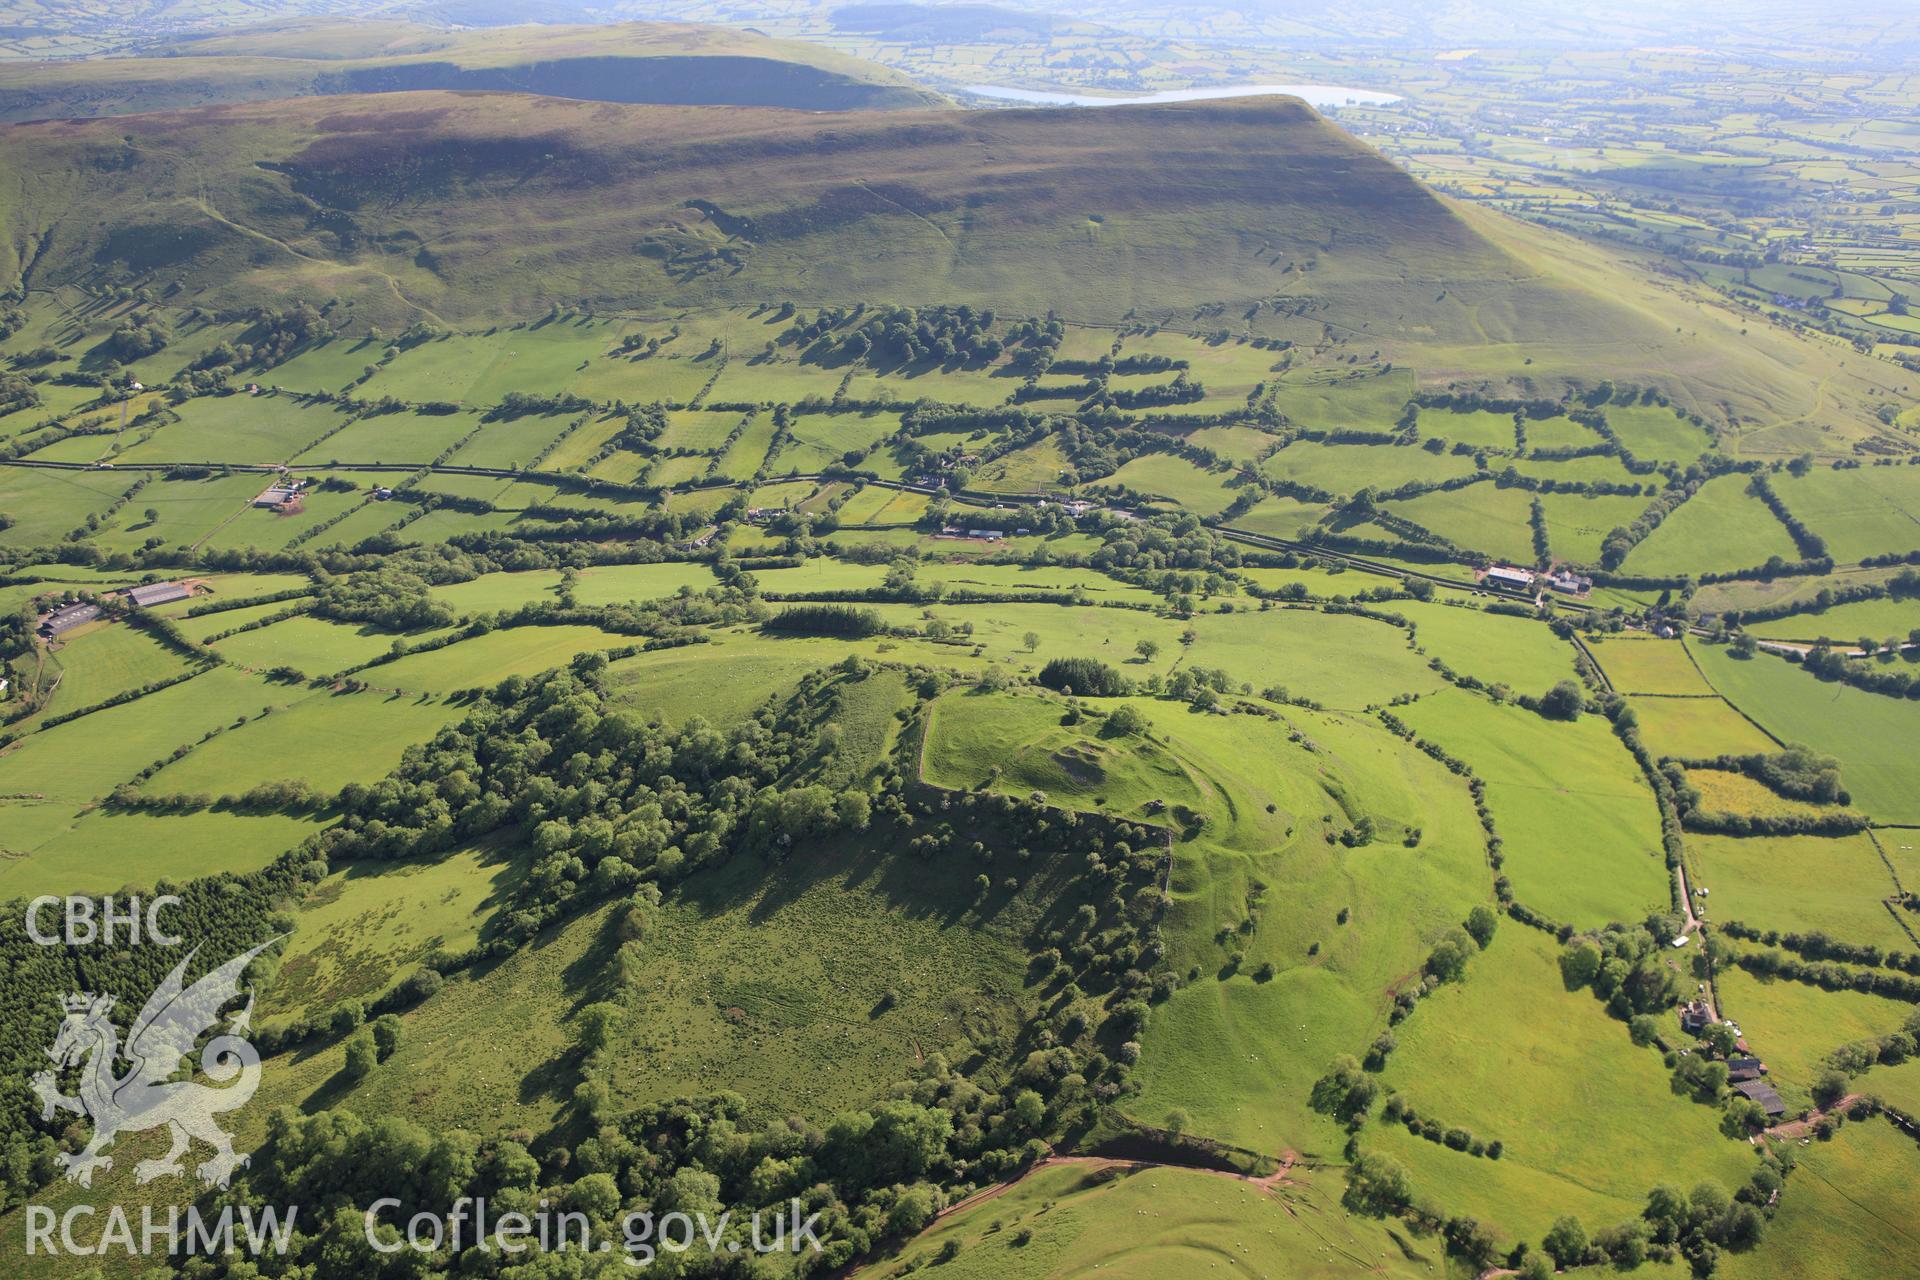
(146, 1095)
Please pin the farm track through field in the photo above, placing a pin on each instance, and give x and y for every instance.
(1281, 1176)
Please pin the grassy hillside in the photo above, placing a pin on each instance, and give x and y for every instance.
(1079, 1218)
(437, 195)
(1252, 215)
(628, 62)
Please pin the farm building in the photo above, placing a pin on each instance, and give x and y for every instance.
(1567, 582)
(68, 618)
(1503, 577)
(157, 593)
(1761, 1092)
(285, 496)
(1740, 1070)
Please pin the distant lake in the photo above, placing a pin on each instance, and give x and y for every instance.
(1318, 95)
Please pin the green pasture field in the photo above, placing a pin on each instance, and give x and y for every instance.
(438, 526)
(240, 428)
(1589, 1126)
(1280, 517)
(103, 659)
(784, 494)
(1327, 400)
(495, 592)
(640, 380)
(1482, 517)
(1861, 511)
(976, 386)
(1348, 468)
(1447, 571)
(749, 453)
(478, 369)
(1834, 885)
(1322, 582)
(56, 402)
(1336, 659)
(1850, 1211)
(103, 852)
(82, 448)
(367, 927)
(667, 472)
(623, 467)
(54, 574)
(1079, 1219)
(1898, 1086)
(190, 511)
(514, 495)
(988, 576)
(1844, 624)
(362, 523)
(1793, 1026)
(574, 452)
(726, 680)
(1581, 830)
(325, 739)
(84, 759)
(821, 574)
(1163, 475)
(999, 633)
(821, 439)
(1696, 727)
(486, 660)
(1656, 434)
(1520, 653)
(44, 506)
(699, 501)
(1594, 468)
(1866, 732)
(1641, 664)
(1578, 525)
(1721, 529)
(1232, 369)
(313, 646)
(1559, 433)
(877, 504)
(327, 366)
(530, 492)
(1240, 444)
(515, 442)
(1480, 428)
(411, 438)
(781, 379)
(623, 583)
